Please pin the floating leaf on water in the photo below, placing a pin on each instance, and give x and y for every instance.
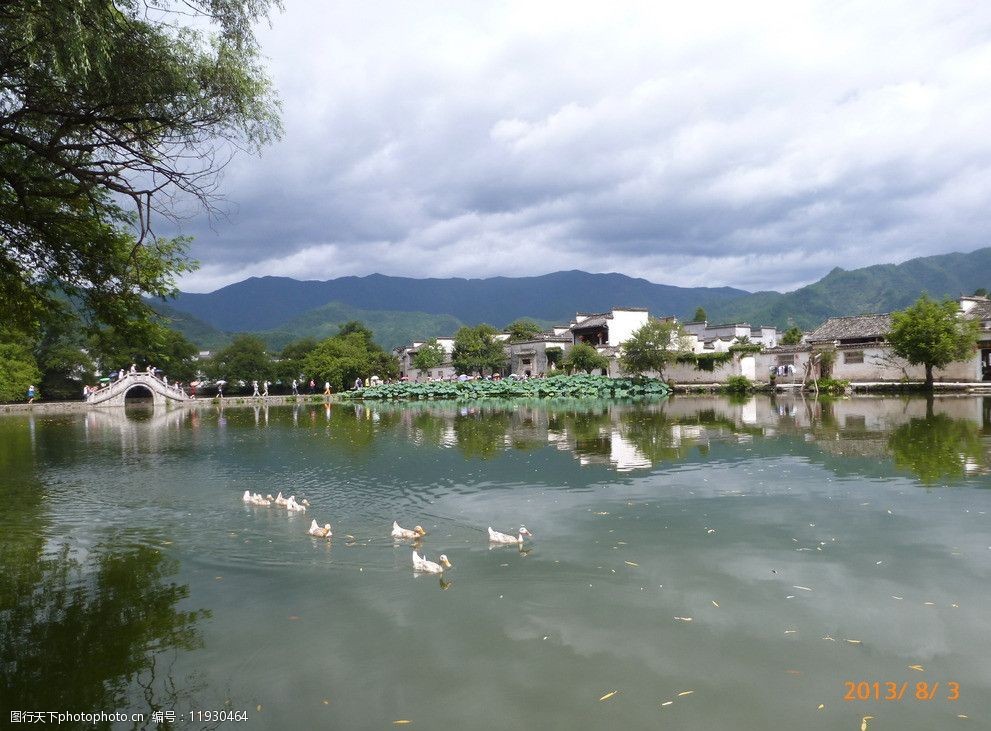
(854, 642)
(803, 588)
(917, 668)
(401, 722)
(630, 563)
(258, 708)
(955, 606)
(790, 596)
(929, 604)
(685, 692)
(790, 631)
(684, 619)
(821, 706)
(715, 603)
(325, 702)
(899, 598)
(863, 722)
(794, 672)
(666, 703)
(827, 637)
(293, 617)
(960, 715)
(609, 695)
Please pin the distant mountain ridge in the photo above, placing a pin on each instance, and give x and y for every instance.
(877, 288)
(399, 309)
(264, 303)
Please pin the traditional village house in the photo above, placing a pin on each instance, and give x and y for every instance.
(530, 358)
(861, 353)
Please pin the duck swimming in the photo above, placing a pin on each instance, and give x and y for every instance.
(316, 530)
(293, 507)
(257, 499)
(497, 537)
(429, 567)
(398, 532)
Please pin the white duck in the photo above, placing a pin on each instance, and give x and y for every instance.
(398, 532)
(293, 507)
(429, 567)
(497, 537)
(316, 530)
(257, 499)
(246, 497)
(279, 500)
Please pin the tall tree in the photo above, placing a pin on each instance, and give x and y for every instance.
(583, 357)
(652, 347)
(429, 355)
(110, 112)
(792, 336)
(246, 358)
(700, 315)
(522, 329)
(476, 350)
(932, 334)
(342, 359)
(18, 370)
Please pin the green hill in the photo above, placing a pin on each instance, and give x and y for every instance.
(391, 327)
(879, 288)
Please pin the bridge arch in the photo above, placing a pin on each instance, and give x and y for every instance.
(117, 393)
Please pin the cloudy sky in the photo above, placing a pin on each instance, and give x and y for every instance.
(753, 144)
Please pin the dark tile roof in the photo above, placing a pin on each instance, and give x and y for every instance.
(846, 328)
(981, 310)
(594, 321)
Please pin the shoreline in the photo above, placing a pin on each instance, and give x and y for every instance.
(64, 407)
(686, 389)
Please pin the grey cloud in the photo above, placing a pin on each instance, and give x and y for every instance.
(704, 145)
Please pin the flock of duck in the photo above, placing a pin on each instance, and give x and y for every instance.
(420, 563)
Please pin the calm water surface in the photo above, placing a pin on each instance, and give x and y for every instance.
(737, 561)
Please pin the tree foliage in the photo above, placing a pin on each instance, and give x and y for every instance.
(583, 357)
(292, 357)
(111, 104)
(700, 315)
(523, 329)
(652, 347)
(792, 336)
(477, 350)
(246, 358)
(342, 359)
(932, 334)
(429, 355)
(18, 370)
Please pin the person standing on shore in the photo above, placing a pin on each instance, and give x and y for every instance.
(295, 387)
(326, 388)
(312, 385)
(254, 385)
(265, 389)
(31, 394)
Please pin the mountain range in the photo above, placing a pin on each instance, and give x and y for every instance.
(399, 309)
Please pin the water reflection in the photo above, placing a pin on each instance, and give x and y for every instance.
(938, 441)
(82, 628)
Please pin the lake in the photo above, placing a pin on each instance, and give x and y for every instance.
(697, 563)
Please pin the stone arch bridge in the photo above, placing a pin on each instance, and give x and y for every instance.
(116, 392)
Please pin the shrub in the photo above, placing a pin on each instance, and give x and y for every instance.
(575, 386)
(738, 384)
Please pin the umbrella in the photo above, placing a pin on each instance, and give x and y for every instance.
(221, 383)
